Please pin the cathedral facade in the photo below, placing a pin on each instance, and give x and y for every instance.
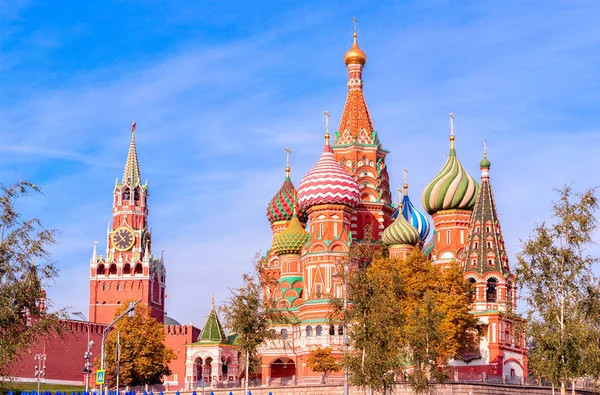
(346, 198)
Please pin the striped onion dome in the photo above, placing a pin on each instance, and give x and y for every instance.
(281, 207)
(400, 232)
(291, 239)
(328, 183)
(414, 216)
(452, 188)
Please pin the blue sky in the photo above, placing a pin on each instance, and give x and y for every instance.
(218, 89)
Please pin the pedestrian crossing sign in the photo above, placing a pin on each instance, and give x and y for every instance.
(100, 374)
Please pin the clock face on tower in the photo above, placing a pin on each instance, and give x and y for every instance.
(123, 239)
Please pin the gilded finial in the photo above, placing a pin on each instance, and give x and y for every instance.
(484, 148)
(451, 131)
(133, 126)
(485, 162)
(355, 55)
(288, 152)
(326, 127)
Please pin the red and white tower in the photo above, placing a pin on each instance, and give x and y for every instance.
(357, 148)
(128, 271)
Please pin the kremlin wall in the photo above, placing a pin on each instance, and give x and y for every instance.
(345, 198)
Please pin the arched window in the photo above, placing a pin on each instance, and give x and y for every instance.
(509, 292)
(488, 229)
(309, 331)
(126, 194)
(489, 244)
(284, 334)
(319, 330)
(490, 294)
(341, 330)
(101, 269)
(136, 194)
(118, 286)
(138, 269)
(127, 269)
(490, 261)
(113, 269)
(331, 330)
(473, 287)
(104, 287)
(475, 245)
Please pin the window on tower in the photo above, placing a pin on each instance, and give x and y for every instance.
(127, 269)
(136, 194)
(138, 269)
(309, 331)
(101, 269)
(113, 269)
(318, 330)
(126, 194)
(473, 287)
(491, 290)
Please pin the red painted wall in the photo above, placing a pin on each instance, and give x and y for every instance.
(176, 337)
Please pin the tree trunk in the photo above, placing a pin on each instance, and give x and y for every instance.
(563, 388)
(247, 369)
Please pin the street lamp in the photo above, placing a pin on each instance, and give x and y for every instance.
(40, 368)
(88, 354)
(130, 312)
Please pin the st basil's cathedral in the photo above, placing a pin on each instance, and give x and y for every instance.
(346, 198)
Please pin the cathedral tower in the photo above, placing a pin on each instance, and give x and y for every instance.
(449, 199)
(128, 271)
(357, 148)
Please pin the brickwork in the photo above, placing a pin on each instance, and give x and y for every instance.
(176, 338)
(64, 356)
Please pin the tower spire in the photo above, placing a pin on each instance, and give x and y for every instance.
(405, 181)
(131, 173)
(327, 135)
(288, 152)
(451, 131)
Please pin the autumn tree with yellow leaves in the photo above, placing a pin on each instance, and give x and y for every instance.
(406, 317)
(143, 356)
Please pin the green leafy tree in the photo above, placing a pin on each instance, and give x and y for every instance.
(24, 266)
(322, 361)
(144, 358)
(554, 268)
(249, 312)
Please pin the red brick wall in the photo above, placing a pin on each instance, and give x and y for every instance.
(64, 356)
(176, 337)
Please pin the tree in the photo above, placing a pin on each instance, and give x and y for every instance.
(321, 360)
(405, 314)
(554, 268)
(249, 312)
(373, 287)
(438, 323)
(24, 266)
(144, 358)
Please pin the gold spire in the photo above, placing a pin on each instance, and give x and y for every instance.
(405, 181)
(451, 131)
(131, 173)
(355, 55)
(327, 135)
(288, 152)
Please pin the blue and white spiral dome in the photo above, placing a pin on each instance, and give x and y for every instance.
(415, 217)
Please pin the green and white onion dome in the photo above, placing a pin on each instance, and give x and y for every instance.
(291, 239)
(400, 232)
(452, 189)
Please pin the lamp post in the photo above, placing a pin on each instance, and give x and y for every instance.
(40, 368)
(88, 354)
(130, 311)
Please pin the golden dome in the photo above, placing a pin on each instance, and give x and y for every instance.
(355, 55)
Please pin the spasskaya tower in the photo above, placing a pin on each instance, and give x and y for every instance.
(128, 271)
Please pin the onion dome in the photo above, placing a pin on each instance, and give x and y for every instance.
(328, 183)
(281, 207)
(291, 239)
(400, 232)
(453, 187)
(485, 162)
(355, 55)
(416, 218)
